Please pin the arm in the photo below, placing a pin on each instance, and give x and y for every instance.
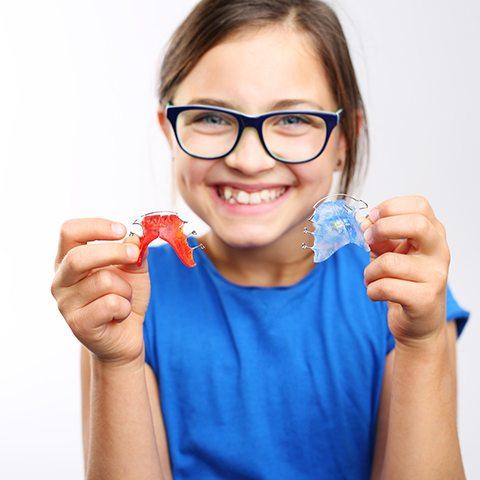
(409, 263)
(417, 434)
(123, 434)
(160, 433)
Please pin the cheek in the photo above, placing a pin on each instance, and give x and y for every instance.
(189, 172)
(313, 174)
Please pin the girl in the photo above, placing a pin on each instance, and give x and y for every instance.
(258, 363)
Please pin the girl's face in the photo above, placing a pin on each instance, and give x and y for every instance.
(253, 73)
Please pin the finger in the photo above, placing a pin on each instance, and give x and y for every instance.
(135, 240)
(396, 265)
(95, 285)
(415, 227)
(396, 290)
(366, 223)
(79, 231)
(78, 261)
(404, 205)
(97, 314)
(378, 248)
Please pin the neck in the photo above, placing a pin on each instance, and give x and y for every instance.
(280, 263)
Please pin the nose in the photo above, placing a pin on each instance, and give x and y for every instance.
(249, 156)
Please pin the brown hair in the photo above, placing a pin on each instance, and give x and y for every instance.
(211, 21)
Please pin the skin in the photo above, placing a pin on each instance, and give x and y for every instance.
(124, 433)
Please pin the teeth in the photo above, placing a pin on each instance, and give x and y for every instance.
(227, 192)
(233, 196)
(265, 195)
(255, 198)
(243, 197)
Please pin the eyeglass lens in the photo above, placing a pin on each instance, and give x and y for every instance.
(291, 137)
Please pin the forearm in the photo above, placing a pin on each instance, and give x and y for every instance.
(122, 439)
(422, 433)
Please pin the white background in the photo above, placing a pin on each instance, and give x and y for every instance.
(78, 138)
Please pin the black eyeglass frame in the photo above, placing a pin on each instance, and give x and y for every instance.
(331, 119)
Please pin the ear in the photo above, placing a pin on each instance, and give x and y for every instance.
(360, 122)
(342, 142)
(165, 126)
(341, 152)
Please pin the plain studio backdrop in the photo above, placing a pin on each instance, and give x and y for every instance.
(79, 138)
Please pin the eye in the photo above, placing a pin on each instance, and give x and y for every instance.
(288, 120)
(210, 119)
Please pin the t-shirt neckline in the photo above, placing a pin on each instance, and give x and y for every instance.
(203, 258)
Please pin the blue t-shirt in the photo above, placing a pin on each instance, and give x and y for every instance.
(264, 383)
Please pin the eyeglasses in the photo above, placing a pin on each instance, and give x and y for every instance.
(289, 136)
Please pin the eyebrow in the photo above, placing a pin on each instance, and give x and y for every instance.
(278, 105)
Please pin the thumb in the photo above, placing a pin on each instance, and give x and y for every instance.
(135, 240)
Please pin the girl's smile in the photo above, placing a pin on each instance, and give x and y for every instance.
(249, 199)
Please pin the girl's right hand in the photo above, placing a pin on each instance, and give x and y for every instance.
(100, 291)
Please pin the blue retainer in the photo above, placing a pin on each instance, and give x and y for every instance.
(335, 226)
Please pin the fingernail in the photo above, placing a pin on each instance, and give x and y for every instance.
(132, 251)
(374, 214)
(368, 235)
(118, 229)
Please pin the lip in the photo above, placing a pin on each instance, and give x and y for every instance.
(246, 210)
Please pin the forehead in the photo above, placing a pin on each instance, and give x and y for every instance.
(258, 67)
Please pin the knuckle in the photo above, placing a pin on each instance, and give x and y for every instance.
(448, 256)
(384, 210)
(441, 276)
(420, 224)
(384, 288)
(112, 303)
(53, 287)
(442, 228)
(66, 228)
(71, 259)
(104, 281)
(390, 261)
(379, 287)
(422, 203)
(130, 291)
(61, 304)
(126, 308)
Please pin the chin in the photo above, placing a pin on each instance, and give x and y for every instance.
(251, 236)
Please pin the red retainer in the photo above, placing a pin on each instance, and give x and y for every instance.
(168, 227)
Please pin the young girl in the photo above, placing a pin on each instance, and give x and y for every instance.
(258, 363)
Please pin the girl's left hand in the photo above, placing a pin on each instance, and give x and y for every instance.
(408, 268)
